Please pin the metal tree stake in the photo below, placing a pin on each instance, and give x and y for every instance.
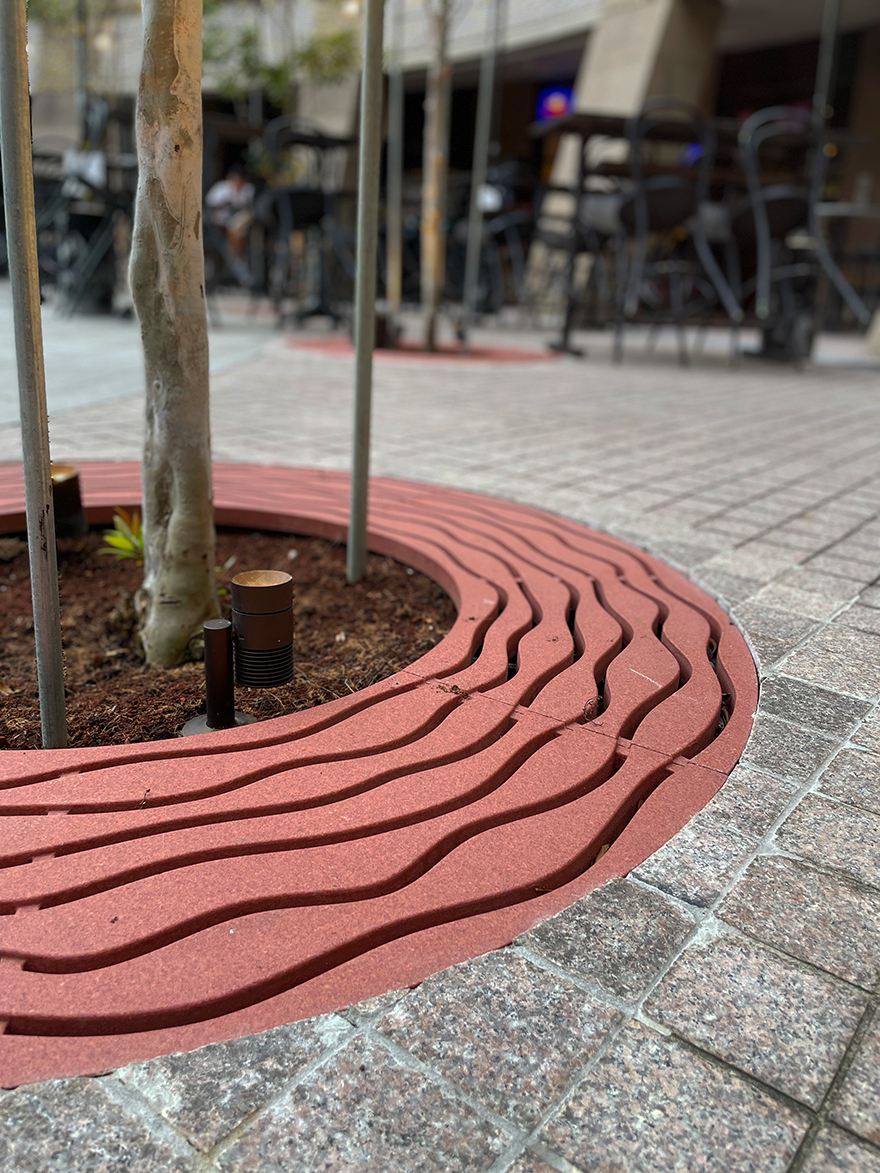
(485, 94)
(394, 167)
(365, 288)
(825, 66)
(21, 239)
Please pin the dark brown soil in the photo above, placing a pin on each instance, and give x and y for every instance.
(346, 637)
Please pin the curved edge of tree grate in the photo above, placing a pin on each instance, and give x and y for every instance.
(586, 703)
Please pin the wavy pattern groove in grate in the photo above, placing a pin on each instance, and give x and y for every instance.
(156, 897)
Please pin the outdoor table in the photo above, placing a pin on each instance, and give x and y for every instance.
(588, 124)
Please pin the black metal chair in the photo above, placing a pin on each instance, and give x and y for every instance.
(666, 203)
(308, 205)
(85, 253)
(586, 229)
(783, 284)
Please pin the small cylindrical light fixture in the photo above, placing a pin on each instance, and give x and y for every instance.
(219, 691)
(262, 617)
(70, 518)
(219, 685)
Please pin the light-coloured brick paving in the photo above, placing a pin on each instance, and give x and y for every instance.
(725, 1012)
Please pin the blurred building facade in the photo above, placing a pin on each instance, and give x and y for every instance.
(729, 57)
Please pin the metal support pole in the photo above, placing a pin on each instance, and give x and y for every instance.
(21, 240)
(82, 72)
(825, 67)
(485, 94)
(365, 286)
(394, 168)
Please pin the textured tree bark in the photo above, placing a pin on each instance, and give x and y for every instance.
(432, 234)
(168, 287)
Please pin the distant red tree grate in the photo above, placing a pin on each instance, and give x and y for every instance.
(155, 897)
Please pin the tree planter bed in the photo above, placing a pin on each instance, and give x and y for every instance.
(160, 896)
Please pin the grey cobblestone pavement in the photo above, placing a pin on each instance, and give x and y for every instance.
(717, 1009)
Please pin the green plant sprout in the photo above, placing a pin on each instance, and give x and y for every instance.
(126, 539)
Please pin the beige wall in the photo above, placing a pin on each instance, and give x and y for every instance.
(643, 48)
(622, 54)
(684, 65)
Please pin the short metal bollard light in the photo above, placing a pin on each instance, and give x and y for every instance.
(262, 618)
(219, 691)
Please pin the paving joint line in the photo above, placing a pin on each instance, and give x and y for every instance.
(821, 625)
(792, 482)
(136, 1103)
(536, 1148)
(765, 468)
(305, 1072)
(767, 840)
(822, 1113)
(721, 928)
(419, 1066)
(842, 802)
(725, 1065)
(630, 1011)
(589, 986)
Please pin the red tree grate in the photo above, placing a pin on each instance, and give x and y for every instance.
(156, 897)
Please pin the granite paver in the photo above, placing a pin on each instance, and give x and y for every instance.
(835, 1152)
(835, 835)
(699, 863)
(868, 733)
(764, 483)
(508, 1033)
(861, 618)
(854, 777)
(366, 1109)
(205, 1094)
(823, 918)
(621, 936)
(771, 632)
(841, 658)
(809, 593)
(787, 750)
(72, 1126)
(768, 1015)
(804, 704)
(652, 1104)
(857, 1106)
(750, 801)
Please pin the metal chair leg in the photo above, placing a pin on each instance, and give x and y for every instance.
(713, 270)
(617, 353)
(677, 306)
(834, 274)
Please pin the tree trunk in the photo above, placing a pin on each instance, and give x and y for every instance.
(168, 287)
(434, 170)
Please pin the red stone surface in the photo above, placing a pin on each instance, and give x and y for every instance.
(160, 896)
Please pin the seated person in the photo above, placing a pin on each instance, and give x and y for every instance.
(230, 202)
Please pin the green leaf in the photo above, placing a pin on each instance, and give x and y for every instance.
(123, 532)
(126, 539)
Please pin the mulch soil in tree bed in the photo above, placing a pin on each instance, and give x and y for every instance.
(346, 637)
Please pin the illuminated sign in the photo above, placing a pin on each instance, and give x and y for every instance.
(554, 102)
